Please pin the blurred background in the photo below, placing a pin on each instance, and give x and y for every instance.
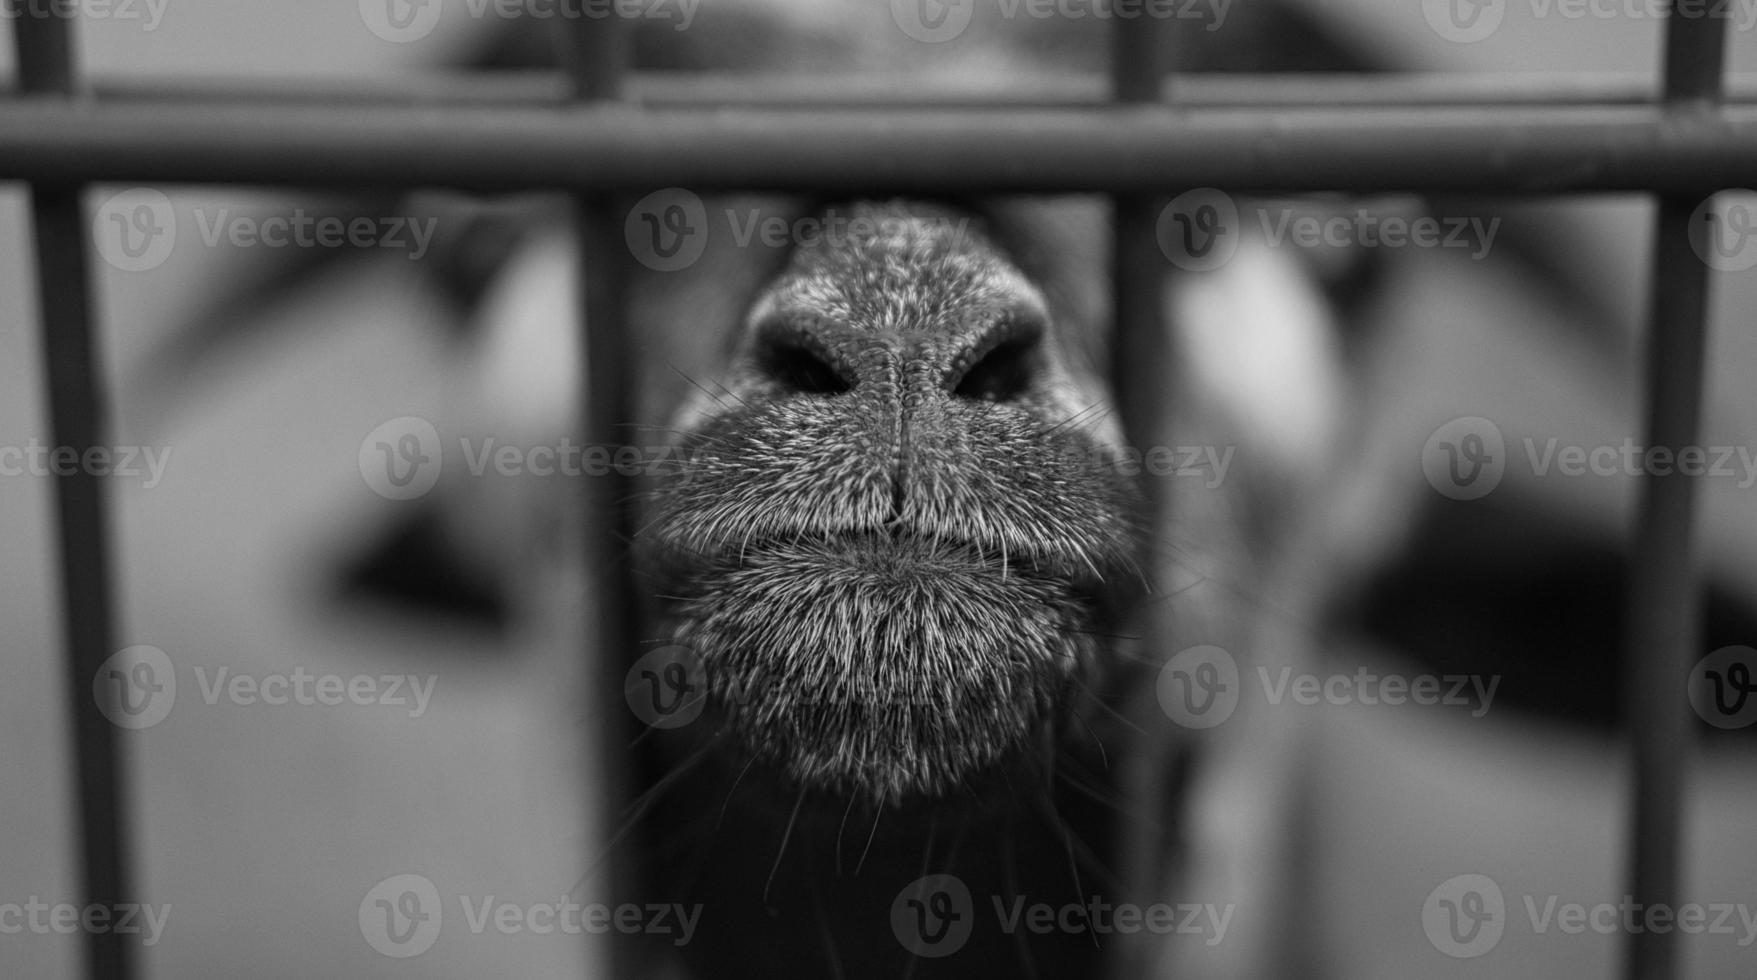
(264, 549)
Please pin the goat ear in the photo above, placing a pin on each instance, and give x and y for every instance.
(1263, 358)
(1261, 370)
(515, 381)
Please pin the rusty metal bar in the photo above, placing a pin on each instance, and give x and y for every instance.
(1664, 592)
(1516, 150)
(77, 419)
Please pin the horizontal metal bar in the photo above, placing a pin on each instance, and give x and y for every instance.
(1538, 149)
(525, 89)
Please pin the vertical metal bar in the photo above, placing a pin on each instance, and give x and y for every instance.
(1140, 368)
(597, 57)
(74, 380)
(1137, 60)
(1695, 54)
(1140, 349)
(1664, 598)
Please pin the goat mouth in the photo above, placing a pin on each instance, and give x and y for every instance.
(900, 552)
(886, 665)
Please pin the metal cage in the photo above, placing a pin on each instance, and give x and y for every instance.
(1157, 135)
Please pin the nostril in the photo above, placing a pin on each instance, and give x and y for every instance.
(803, 371)
(1001, 375)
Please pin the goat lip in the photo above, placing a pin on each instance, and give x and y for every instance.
(683, 561)
(900, 547)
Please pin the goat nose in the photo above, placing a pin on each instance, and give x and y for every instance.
(996, 361)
